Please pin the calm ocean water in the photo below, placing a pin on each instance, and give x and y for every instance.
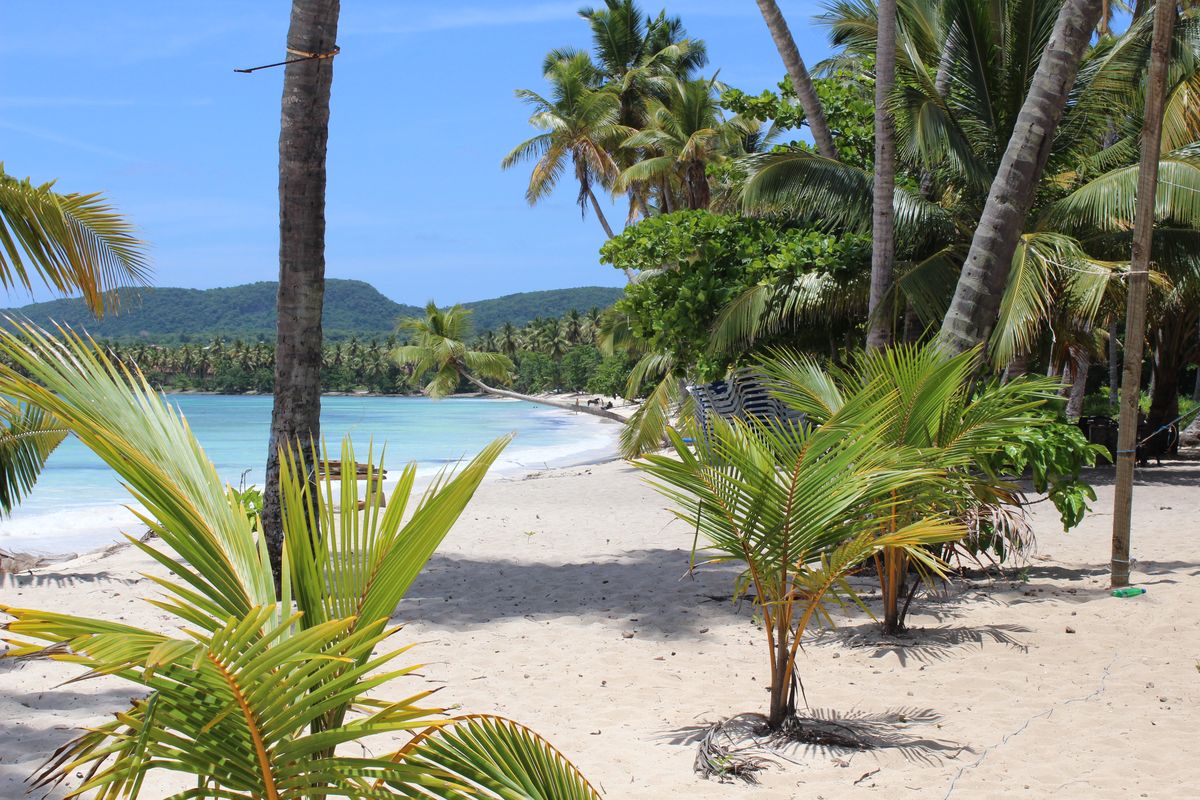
(77, 503)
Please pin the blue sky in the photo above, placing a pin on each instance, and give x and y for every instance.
(139, 100)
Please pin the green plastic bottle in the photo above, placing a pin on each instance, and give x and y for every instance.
(1128, 591)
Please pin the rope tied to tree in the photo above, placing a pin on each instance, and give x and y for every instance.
(301, 55)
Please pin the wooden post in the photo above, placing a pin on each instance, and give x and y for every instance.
(1135, 315)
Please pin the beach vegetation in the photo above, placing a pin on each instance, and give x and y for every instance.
(71, 243)
(260, 692)
(801, 507)
(440, 358)
(982, 436)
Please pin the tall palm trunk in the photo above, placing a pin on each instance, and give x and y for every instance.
(303, 137)
(976, 302)
(696, 184)
(596, 412)
(1076, 373)
(608, 231)
(1139, 279)
(1114, 367)
(883, 233)
(1196, 388)
(814, 112)
(1174, 337)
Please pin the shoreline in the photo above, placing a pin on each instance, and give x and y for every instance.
(111, 533)
(564, 601)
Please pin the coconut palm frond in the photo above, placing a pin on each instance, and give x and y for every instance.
(501, 758)
(1106, 203)
(648, 427)
(929, 284)
(28, 435)
(251, 694)
(72, 242)
(737, 325)
(118, 416)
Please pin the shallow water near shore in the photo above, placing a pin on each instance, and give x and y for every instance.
(78, 502)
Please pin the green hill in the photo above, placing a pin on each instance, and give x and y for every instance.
(352, 308)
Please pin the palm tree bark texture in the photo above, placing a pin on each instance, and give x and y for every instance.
(1139, 278)
(976, 303)
(303, 140)
(883, 227)
(814, 112)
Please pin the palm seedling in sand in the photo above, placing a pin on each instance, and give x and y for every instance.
(939, 411)
(438, 350)
(801, 508)
(259, 695)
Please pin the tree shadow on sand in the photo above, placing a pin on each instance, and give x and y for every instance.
(741, 746)
(923, 645)
(651, 585)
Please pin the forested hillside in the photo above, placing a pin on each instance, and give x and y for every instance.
(352, 308)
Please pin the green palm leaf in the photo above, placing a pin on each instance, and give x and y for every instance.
(501, 759)
(73, 242)
(252, 695)
(28, 435)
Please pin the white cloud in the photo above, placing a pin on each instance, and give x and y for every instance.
(67, 141)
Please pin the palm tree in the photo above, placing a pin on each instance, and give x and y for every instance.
(303, 140)
(685, 132)
(572, 324)
(580, 124)
(800, 507)
(638, 55)
(72, 243)
(980, 290)
(1135, 316)
(1069, 254)
(883, 234)
(814, 112)
(509, 340)
(438, 350)
(939, 410)
(254, 690)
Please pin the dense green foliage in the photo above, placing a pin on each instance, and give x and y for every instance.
(847, 98)
(550, 354)
(352, 309)
(1052, 454)
(694, 263)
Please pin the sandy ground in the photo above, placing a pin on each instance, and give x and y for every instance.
(560, 601)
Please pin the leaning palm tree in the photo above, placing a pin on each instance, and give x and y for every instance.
(438, 352)
(814, 111)
(981, 284)
(72, 243)
(580, 124)
(259, 693)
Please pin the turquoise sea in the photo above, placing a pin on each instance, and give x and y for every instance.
(77, 504)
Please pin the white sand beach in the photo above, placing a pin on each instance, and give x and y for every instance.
(560, 600)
